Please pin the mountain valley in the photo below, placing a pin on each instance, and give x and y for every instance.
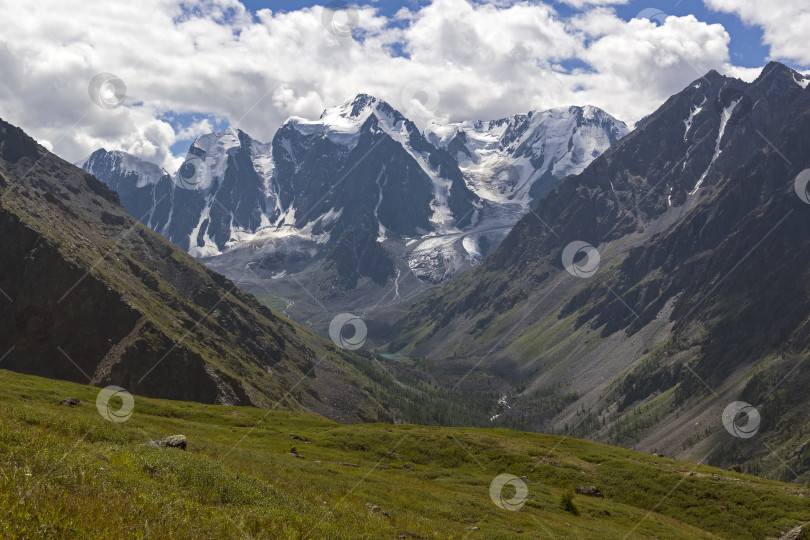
(685, 290)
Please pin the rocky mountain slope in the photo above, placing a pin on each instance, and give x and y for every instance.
(358, 202)
(91, 295)
(664, 283)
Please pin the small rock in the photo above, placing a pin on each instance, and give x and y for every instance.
(590, 491)
(525, 479)
(72, 402)
(407, 466)
(172, 441)
(475, 528)
(346, 464)
(294, 453)
(376, 509)
(296, 437)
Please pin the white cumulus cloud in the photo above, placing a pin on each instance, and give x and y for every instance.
(784, 24)
(448, 60)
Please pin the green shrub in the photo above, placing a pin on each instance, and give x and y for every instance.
(567, 502)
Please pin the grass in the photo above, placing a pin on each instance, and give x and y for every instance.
(275, 303)
(67, 473)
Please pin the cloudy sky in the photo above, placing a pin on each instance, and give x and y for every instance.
(181, 68)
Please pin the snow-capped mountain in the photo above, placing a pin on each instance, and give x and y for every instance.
(198, 208)
(124, 171)
(359, 193)
(510, 164)
(368, 133)
(521, 158)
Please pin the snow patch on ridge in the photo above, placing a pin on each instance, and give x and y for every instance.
(381, 230)
(696, 110)
(724, 118)
(262, 157)
(209, 248)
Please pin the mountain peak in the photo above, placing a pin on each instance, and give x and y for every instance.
(123, 165)
(357, 107)
(342, 124)
(773, 65)
(15, 144)
(362, 102)
(219, 141)
(712, 77)
(585, 113)
(777, 71)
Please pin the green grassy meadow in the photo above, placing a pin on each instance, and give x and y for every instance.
(65, 472)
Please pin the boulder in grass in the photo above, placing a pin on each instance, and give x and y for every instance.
(377, 509)
(172, 441)
(72, 402)
(589, 491)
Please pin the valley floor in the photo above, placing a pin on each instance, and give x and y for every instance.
(65, 472)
